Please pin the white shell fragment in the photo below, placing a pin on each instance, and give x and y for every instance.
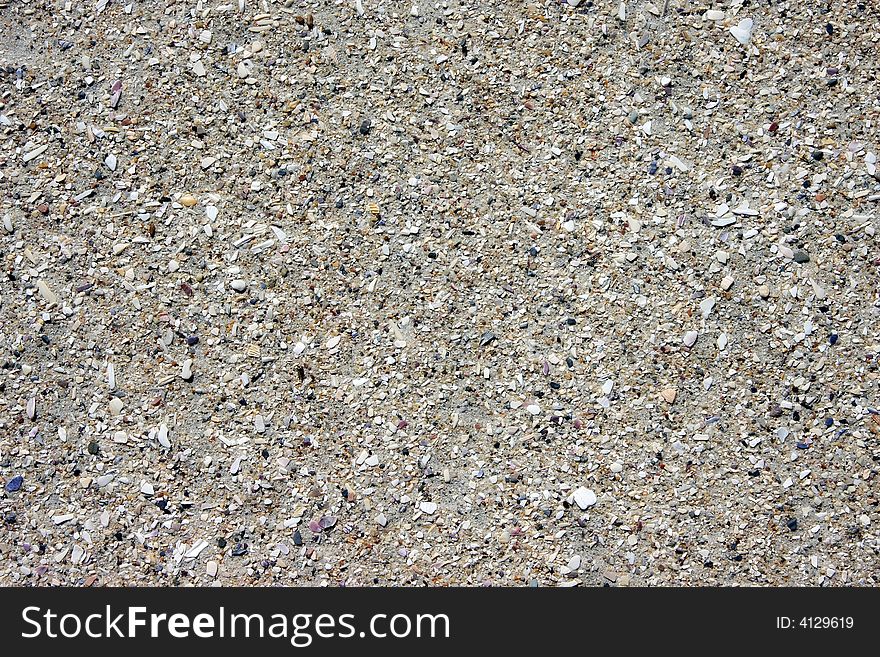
(742, 31)
(584, 498)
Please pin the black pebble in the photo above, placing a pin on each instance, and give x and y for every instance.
(93, 448)
(297, 538)
(366, 126)
(792, 524)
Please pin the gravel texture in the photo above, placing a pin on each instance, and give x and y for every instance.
(459, 293)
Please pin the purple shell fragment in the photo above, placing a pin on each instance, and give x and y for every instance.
(115, 93)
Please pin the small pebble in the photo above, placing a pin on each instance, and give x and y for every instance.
(14, 484)
(669, 395)
(115, 406)
(186, 372)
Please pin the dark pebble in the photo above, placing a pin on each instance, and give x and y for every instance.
(297, 538)
(239, 549)
(801, 257)
(832, 339)
(93, 448)
(192, 340)
(366, 126)
(221, 543)
(818, 155)
(829, 421)
(792, 524)
(14, 484)
(737, 170)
